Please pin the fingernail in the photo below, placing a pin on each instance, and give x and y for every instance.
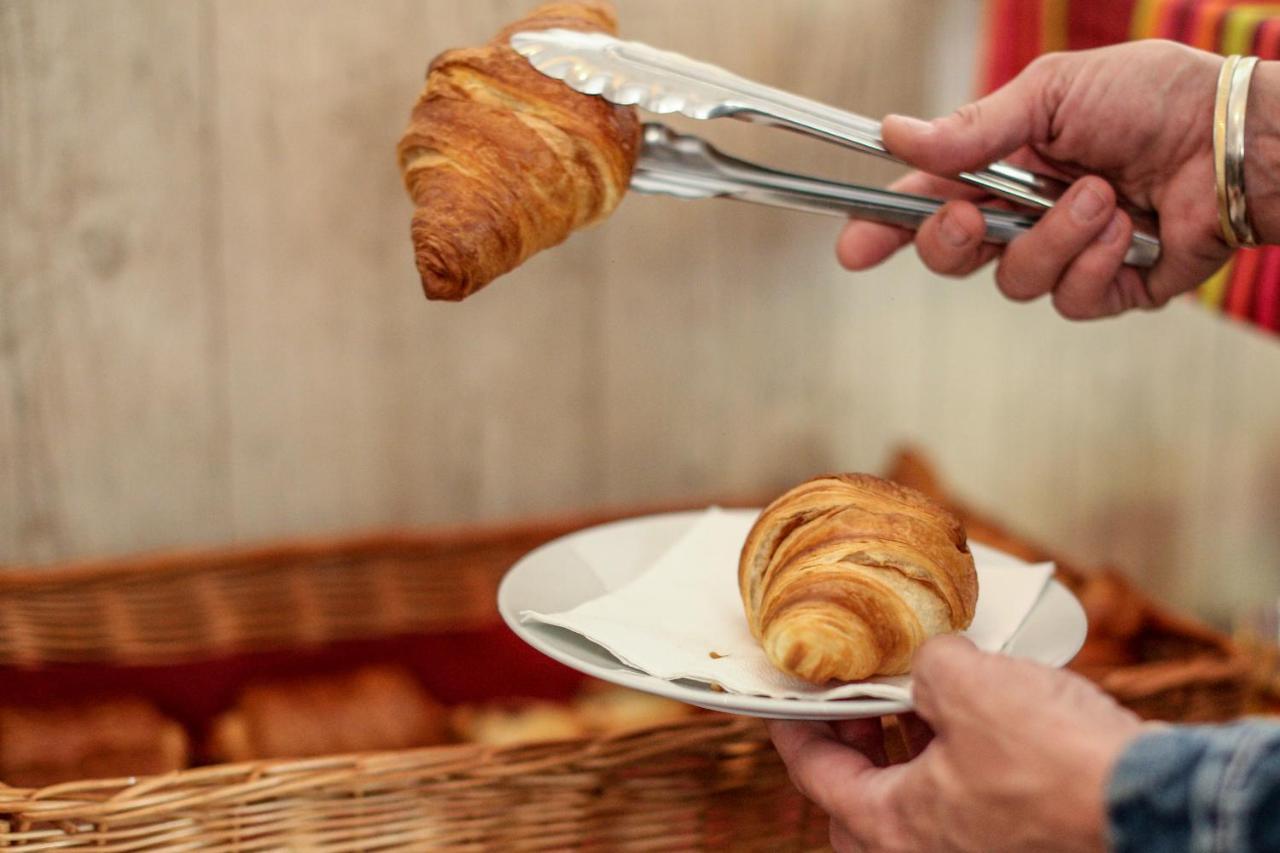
(952, 232)
(1087, 204)
(914, 125)
(1112, 232)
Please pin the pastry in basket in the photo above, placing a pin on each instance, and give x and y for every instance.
(503, 162)
(845, 576)
(374, 708)
(517, 721)
(108, 739)
(607, 708)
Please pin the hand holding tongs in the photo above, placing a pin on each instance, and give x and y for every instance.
(688, 167)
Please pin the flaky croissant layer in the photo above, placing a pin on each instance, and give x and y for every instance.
(845, 576)
(503, 162)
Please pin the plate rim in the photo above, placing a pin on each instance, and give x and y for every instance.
(766, 707)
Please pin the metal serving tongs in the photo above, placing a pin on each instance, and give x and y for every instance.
(685, 166)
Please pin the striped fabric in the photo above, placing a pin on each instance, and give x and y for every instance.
(1016, 31)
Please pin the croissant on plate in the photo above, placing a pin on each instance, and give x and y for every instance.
(502, 161)
(845, 576)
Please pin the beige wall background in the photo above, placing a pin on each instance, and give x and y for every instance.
(211, 329)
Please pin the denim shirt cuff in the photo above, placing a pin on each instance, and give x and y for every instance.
(1201, 789)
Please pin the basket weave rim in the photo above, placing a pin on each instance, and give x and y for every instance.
(130, 798)
(28, 577)
(1154, 676)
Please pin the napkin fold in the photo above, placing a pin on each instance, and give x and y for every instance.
(682, 617)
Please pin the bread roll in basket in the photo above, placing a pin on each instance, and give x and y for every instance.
(845, 576)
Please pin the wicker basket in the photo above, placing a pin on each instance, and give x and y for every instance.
(184, 629)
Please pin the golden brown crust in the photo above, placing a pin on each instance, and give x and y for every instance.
(103, 739)
(503, 161)
(844, 576)
(374, 708)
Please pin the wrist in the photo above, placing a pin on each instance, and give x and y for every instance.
(1262, 152)
(1104, 752)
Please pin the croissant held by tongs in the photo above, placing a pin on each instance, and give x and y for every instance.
(503, 161)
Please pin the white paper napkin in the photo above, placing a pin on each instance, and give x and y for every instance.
(682, 618)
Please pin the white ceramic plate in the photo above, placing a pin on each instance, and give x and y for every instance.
(553, 578)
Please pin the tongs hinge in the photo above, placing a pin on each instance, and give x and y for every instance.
(689, 167)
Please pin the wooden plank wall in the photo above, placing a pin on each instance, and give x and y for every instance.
(211, 330)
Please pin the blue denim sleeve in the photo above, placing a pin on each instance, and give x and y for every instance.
(1200, 789)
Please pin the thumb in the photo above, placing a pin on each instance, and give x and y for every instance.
(943, 671)
(978, 133)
